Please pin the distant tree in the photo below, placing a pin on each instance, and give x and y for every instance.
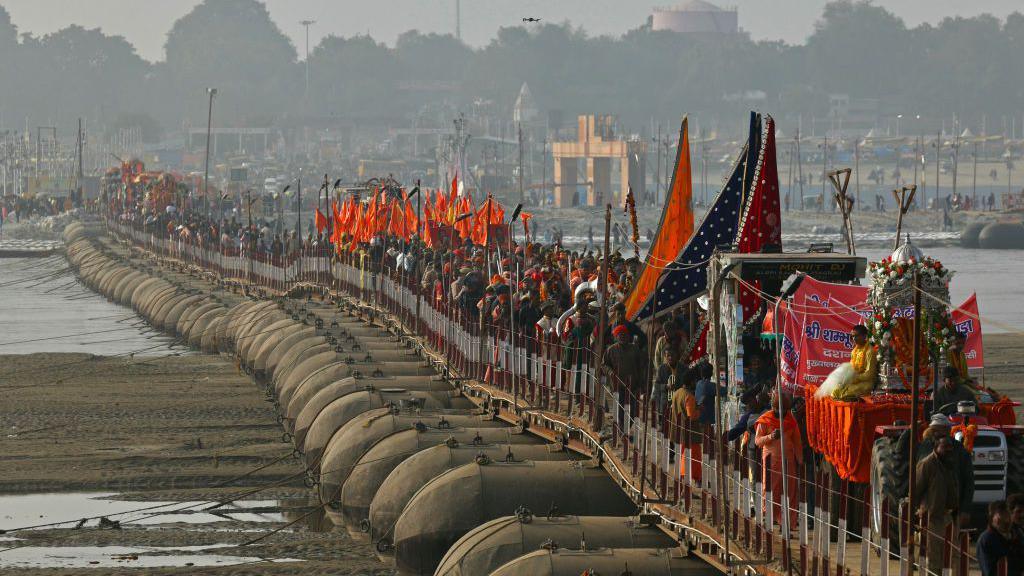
(234, 46)
(87, 66)
(432, 56)
(967, 67)
(354, 77)
(151, 130)
(8, 31)
(860, 49)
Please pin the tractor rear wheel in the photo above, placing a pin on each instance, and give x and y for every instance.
(890, 474)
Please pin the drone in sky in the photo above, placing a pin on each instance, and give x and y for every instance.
(531, 19)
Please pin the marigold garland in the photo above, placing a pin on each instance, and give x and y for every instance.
(937, 327)
(970, 432)
(630, 209)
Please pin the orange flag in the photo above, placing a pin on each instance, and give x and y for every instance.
(428, 207)
(464, 227)
(359, 222)
(490, 212)
(674, 230)
(320, 220)
(336, 215)
(411, 222)
(452, 197)
(369, 227)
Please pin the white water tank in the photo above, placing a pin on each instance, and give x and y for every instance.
(696, 17)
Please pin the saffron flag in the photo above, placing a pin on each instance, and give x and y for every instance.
(489, 216)
(320, 220)
(761, 221)
(967, 321)
(674, 230)
(452, 197)
(336, 229)
(412, 223)
(358, 224)
(465, 226)
(686, 276)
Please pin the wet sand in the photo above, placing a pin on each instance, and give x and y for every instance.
(1004, 367)
(171, 428)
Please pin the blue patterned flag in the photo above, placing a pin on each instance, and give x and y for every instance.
(687, 276)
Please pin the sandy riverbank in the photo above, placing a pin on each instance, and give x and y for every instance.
(176, 428)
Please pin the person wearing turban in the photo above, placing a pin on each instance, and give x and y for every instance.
(628, 364)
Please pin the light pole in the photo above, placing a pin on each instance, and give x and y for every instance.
(206, 171)
(513, 281)
(307, 24)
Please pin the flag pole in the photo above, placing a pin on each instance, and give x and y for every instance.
(419, 234)
(487, 272)
(602, 284)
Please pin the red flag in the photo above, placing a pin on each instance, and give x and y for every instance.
(761, 223)
(967, 321)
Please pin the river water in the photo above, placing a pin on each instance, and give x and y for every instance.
(43, 308)
(997, 276)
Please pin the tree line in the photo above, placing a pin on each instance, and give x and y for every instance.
(967, 67)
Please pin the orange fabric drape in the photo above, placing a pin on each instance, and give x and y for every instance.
(844, 432)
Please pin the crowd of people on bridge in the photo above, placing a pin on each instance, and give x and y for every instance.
(549, 292)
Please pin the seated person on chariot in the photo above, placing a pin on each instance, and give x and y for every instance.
(953, 390)
(854, 379)
(957, 360)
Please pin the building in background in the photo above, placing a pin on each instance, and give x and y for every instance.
(696, 17)
(611, 165)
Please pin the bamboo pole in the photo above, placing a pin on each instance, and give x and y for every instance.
(602, 284)
(914, 413)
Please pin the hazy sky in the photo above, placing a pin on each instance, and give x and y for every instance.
(146, 22)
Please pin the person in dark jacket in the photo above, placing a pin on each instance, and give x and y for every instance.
(628, 363)
(940, 427)
(999, 542)
(706, 392)
(952, 392)
(938, 493)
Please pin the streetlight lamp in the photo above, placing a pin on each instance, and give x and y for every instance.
(206, 171)
(307, 24)
(898, 118)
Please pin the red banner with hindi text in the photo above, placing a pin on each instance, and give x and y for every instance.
(967, 321)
